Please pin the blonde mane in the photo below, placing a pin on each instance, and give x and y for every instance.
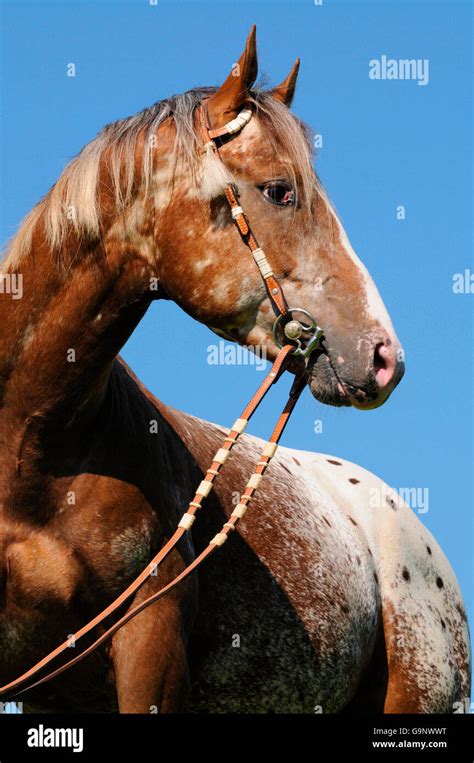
(73, 200)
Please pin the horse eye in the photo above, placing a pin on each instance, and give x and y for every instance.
(279, 192)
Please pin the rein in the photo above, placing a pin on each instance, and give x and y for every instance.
(293, 338)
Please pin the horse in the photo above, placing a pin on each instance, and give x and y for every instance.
(325, 599)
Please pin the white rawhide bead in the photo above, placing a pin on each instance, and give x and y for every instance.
(259, 255)
(262, 262)
(204, 488)
(187, 521)
(270, 449)
(239, 425)
(239, 510)
(236, 212)
(221, 456)
(255, 481)
(239, 122)
(219, 539)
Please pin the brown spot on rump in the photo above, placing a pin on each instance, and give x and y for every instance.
(443, 624)
(403, 691)
(462, 612)
(405, 574)
(439, 582)
(429, 550)
(376, 578)
(354, 481)
(296, 461)
(352, 520)
(392, 503)
(327, 521)
(358, 560)
(285, 468)
(336, 463)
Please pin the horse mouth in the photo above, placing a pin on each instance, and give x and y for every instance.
(324, 382)
(328, 387)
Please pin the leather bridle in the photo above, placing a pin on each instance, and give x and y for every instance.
(293, 337)
(306, 337)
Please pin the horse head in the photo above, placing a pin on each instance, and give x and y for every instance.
(209, 272)
(145, 203)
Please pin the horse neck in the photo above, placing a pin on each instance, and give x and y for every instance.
(59, 341)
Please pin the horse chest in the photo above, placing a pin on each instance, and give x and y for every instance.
(77, 557)
(114, 545)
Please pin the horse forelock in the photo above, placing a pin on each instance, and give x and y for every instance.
(73, 203)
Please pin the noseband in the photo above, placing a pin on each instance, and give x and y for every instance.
(294, 338)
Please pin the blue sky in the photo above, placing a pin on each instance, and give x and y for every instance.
(385, 143)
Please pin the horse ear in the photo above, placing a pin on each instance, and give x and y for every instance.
(285, 91)
(225, 103)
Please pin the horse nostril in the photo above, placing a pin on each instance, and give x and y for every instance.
(384, 365)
